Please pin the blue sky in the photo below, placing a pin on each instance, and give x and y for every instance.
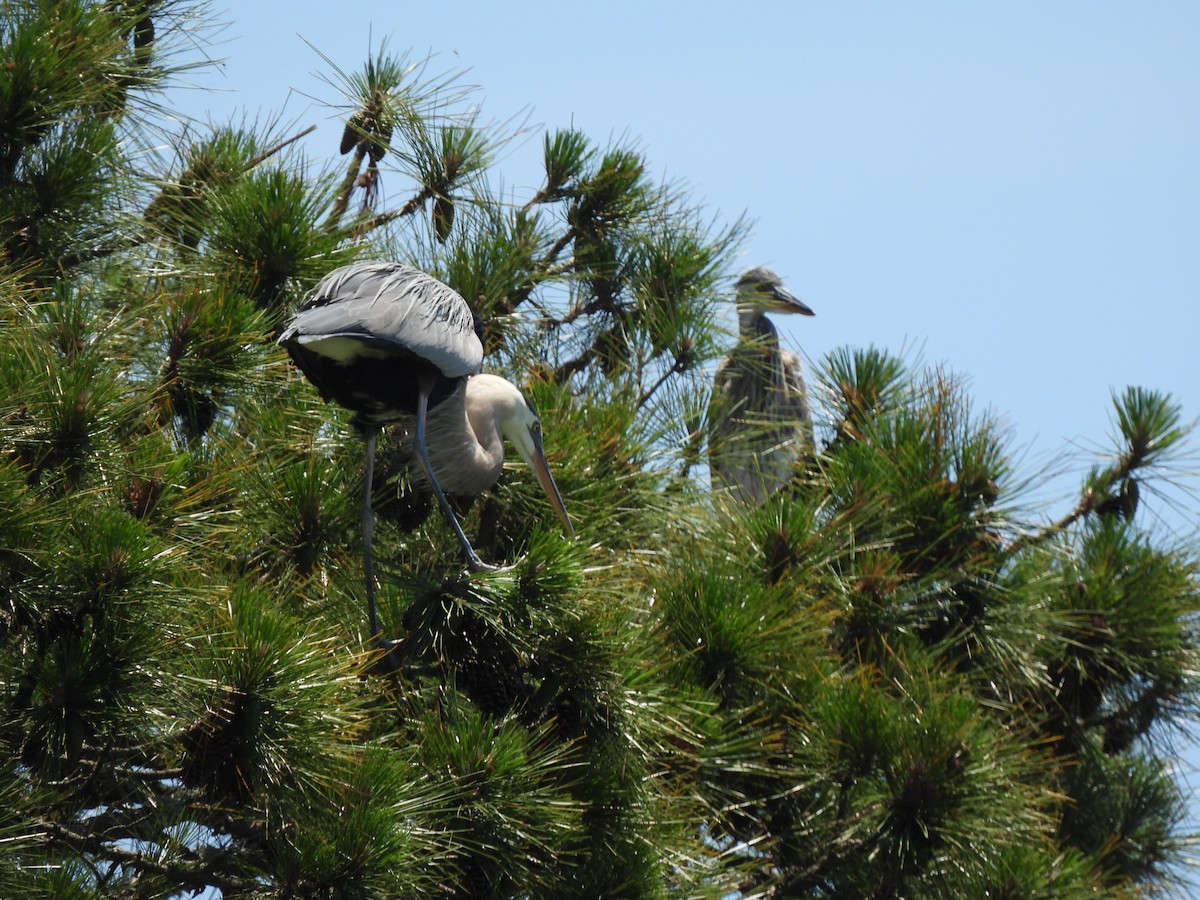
(1011, 189)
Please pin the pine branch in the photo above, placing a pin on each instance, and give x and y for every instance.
(558, 246)
(680, 365)
(540, 197)
(564, 371)
(599, 304)
(267, 154)
(549, 269)
(342, 203)
(133, 241)
(1149, 423)
(525, 291)
(196, 878)
(78, 258)
(410, 206)
(1086, 504)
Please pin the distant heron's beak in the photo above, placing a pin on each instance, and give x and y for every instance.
(542, 470)
(787, 302)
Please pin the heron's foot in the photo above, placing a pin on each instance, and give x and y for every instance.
(476, 568)
(475, 564)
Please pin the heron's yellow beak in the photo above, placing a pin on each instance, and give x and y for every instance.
(542, 470)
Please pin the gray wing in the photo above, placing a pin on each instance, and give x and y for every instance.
(733, 447)
(760, 421)
(389, 305)
(794, 405)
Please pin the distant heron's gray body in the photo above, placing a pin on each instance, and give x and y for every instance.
(390, 342)
(760, 421)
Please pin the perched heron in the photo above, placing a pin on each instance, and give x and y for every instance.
(390, 342)
(759, 418)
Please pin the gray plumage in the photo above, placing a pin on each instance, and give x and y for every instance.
(390, 342)
(370, 330)
(760, 421)
(384, 304)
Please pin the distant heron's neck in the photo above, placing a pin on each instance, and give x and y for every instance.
(753, 323)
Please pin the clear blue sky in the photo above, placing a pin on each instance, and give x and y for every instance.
(1013, 189)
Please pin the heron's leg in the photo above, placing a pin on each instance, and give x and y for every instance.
(367, 518)
(424, 386)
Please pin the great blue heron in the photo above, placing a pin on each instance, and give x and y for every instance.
(759, 418)
(390, 342)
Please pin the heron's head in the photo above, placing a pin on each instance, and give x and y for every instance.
(519, 424)
(760, 290)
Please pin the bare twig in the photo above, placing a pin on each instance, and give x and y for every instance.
(525, 291)
(542, 196)
(564, 371)
(92, 253)
(548, 268)
(192, 878)
(342, 203)
(1087, 503)
(678, 366)
(267, 154)
(410, 206)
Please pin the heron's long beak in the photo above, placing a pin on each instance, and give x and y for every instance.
(786, 301)
(542, 470)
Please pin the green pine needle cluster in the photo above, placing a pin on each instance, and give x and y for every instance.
(897, 677)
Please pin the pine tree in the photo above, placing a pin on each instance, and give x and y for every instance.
(894, 678)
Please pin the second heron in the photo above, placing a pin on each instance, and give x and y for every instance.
(759, 419)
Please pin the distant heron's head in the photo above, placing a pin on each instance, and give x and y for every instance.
(519, 424)
(760, 290)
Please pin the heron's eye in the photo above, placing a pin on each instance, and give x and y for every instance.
(536, 427)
